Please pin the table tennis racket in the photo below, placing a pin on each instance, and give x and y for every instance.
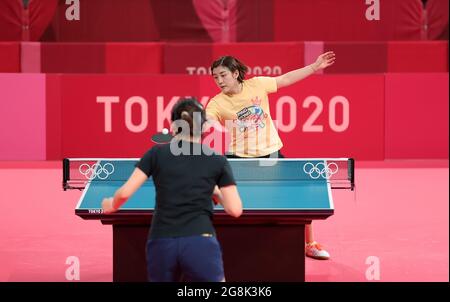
(162, 137)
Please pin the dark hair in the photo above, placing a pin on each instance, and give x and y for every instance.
(184, 110)
(232, 64)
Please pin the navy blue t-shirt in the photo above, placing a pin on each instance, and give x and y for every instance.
(184, 186)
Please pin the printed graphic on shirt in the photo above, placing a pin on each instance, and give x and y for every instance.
(251, 117)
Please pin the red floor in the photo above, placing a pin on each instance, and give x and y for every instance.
(399, 213)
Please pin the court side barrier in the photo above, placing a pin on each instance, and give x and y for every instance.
(269, 59)
(365, 116)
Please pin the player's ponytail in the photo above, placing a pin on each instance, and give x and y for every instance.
(190, 111)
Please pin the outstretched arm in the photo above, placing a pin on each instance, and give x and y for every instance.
(112, 204)
(323, 61)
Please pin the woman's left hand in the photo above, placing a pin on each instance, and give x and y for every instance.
(324, 60)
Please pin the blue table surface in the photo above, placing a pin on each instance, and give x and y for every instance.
(280, 187)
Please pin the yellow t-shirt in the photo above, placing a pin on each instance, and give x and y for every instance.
(247, 118)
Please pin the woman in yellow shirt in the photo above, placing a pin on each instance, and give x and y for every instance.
(242, 107)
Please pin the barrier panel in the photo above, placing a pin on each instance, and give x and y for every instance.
(9, 57)
(22, 117)
(408, 56)
(115, 116)
(417, 115)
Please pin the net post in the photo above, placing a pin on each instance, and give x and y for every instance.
(66, 172)
(351, 172)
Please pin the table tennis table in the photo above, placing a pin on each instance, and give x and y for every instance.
(266, 243)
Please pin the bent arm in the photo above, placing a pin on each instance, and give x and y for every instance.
(112, 204)
(213, 123)
(229, 198)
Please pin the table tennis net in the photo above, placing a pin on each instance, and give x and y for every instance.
(77, 173)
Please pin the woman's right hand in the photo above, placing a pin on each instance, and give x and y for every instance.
(107, 205)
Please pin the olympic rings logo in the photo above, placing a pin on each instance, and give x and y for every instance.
(320, 170)
(96, 170)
